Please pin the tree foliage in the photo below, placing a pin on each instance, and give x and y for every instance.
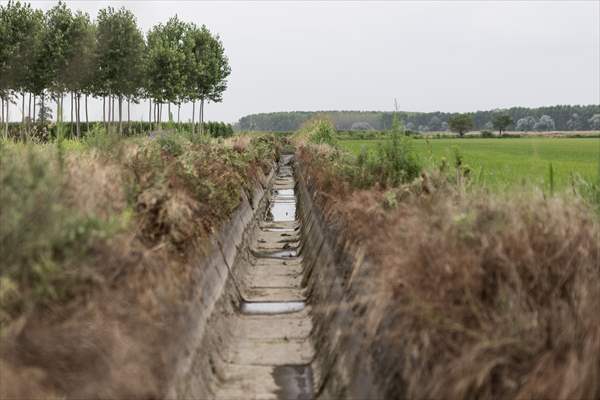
(166, 61)
(594, 121)
(501, 122)
(119, 55)
(526, 124)
(545, 123)
(461, 123)
(61, 52)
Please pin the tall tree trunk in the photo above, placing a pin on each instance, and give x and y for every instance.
(22, 115)
(128, 115)
(43, 108)
(78, 114)
(87, 121)
(202, 115)
(29, 114)
(33, 118)
(108, 115)
(7, 117)
(71, 124)
(194, 117)
(104, 113)
(150, 113)
(2, 117)
(120, 114)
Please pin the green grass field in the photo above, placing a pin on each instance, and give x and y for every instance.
(509, 162)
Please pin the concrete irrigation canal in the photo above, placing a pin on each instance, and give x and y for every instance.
(271, 352)
(274, 319)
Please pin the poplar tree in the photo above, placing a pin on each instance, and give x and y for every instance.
(58, 52)
(79, 70)
(20, 26)
(208, 69)
(119, 56)
(167, 68)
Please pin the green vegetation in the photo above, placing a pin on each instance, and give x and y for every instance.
(509, 162)
(67, 205)
(474, 288)
(460, 123)
(393, 163)
(47, 56)
(501, 122)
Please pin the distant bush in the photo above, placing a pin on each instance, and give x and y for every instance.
(361, 126)
(487, 134)
(317, 131)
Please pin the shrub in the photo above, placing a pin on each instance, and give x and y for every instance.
(396, 161)
(317, 131)
(323, 133)
(42, 236)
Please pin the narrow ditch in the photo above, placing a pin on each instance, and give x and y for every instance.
(275, 316)
(270, 352)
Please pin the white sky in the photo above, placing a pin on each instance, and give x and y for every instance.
(430, 55)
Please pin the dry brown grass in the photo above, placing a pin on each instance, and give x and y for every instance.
(116, 330)
(94, 186)
(477, 296)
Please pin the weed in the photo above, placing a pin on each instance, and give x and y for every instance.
(396, 161)
(108, 144)
(551, 183)
(324, 133)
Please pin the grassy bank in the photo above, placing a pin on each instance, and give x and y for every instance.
(99, 239)
(479, 295)
(499, 163)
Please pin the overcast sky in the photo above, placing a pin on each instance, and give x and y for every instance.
(436, 55)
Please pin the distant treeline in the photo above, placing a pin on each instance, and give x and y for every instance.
(564, 117)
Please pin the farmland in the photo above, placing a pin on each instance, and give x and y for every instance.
(509, 162)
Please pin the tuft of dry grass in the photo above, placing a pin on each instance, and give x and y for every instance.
(477, 296)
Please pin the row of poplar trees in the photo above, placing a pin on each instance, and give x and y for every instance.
(48, 56)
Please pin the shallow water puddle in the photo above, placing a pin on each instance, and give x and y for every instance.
(283, 211)
(294, 381)
(281, 254)
(279, 229)
(272, 307)
(284, 192)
